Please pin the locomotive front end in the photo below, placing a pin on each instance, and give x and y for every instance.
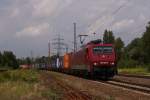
(103, 60)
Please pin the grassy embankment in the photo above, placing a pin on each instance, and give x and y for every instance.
(136, 70)
(5, 68)
(24, 84)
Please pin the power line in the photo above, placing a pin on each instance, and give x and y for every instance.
(119, 8)
(114, 12)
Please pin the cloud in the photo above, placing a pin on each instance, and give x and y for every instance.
(15, 12)
(34, 31)
(42, 8)
(142, 17)
(126, 23)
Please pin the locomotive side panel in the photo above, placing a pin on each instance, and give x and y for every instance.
(79, 60)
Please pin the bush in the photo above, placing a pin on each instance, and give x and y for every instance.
(124, 63)
(148, 67)
(4, 76)
(19, 75)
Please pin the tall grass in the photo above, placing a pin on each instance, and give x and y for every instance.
(140, 70)
(18, 84)
(19, 75)
(26, 85)
(15, 90)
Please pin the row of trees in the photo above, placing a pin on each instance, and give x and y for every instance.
(136, 53)
(8, 59)
(29, 61)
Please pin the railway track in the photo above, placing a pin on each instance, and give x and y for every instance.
(134, 76)
(126, 82)
(144, 88)
(131, 86)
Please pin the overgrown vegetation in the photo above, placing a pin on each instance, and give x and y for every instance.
(24, 84)
(18, 83)
(138, 70)
(28, 76)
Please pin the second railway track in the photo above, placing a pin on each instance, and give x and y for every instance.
(134, 76)
(131, 86)
(133, 82)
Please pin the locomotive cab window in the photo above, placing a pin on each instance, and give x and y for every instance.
(102, 49)
(98, 49)
(107, 49)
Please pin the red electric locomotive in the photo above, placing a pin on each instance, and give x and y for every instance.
(94, 59)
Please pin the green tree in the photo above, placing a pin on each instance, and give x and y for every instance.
(28, 60)
(9, 59)
(0, 58)
(135, 50)
(146, 43)
(108, 37)
(21, 61)
(119, 46)
(132, 54)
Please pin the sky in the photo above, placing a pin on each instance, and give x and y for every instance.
(28, 25)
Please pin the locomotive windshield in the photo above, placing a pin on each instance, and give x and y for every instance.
(107, 49)
(102, 49)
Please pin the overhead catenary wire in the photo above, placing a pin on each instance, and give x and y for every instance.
(112, 14)
(138, 32)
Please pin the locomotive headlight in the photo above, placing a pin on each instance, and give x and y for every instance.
(113, 63)
(95, 64)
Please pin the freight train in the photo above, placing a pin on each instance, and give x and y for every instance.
(93, 59)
